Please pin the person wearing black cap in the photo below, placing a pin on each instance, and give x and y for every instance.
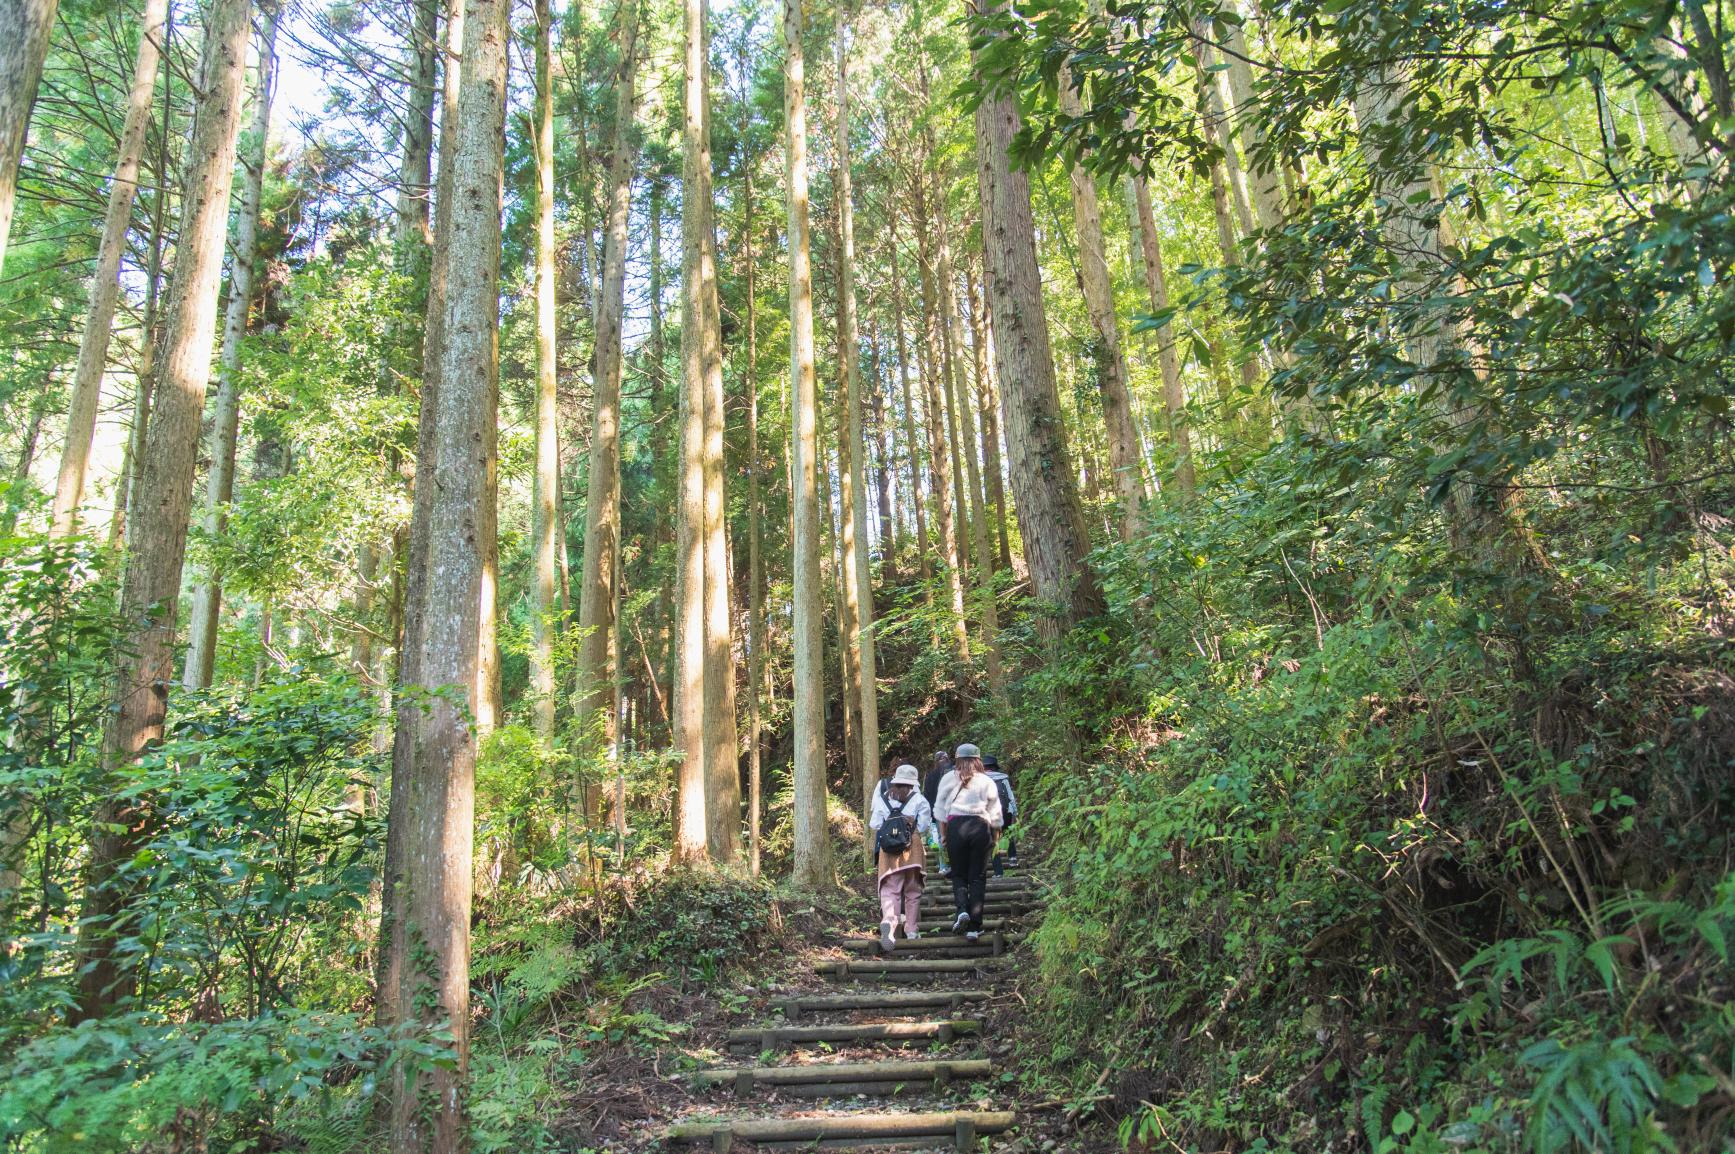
(969, 810)
(1008, 808)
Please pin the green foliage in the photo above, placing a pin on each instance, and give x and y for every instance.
(137, 1082)
(1343, 876)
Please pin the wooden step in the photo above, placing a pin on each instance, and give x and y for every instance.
(889, 1033)
(824, 1079)
(880, 970)
(908, 1002)
(941, 945)
(958, 1130)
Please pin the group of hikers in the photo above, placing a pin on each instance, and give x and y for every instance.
(962, 810)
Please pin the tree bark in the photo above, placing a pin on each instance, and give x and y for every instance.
(434, 754)
(692, 835)
(25, 26)
(722, 736)
(596, 598)
(813, 867)
(924, 559)
(202, 622)
(940, 462)
(989, 400)
(105, 281)
(151, 583)
(1483, 508)
(394, 910)
(1106, 354)
(1157, 286)
(756, 664)
(143, 371)
(1050, 517)
(545, 494)
(859, 582)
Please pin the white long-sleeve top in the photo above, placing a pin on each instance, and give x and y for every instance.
(916, 809)
(980, 798)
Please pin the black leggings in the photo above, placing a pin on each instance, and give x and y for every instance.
(969, 844)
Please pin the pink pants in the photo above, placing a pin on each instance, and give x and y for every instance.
(901, 899)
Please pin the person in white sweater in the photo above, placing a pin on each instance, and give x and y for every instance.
(970, 818)
(901, 820)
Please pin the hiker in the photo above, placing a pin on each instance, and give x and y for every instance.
(901, 819)
(931, 790)
(970, 816)
(1008, 810)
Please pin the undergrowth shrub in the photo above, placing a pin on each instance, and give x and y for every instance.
(1363, 867)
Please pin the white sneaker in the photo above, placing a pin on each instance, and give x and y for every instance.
(887, 942)
(960, 922)
(972, 935)
(913, 936)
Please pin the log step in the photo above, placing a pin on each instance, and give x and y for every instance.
(831, 1076)
(891, 1033)
(876, 969)
(941, 945)
(955, 1129)
(909, 1002)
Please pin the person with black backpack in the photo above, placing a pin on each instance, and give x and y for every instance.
(901, 820)
(970, 816)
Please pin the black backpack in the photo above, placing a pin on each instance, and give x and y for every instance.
(1007, 817)
(897, 831)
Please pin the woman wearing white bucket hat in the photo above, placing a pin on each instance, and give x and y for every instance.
(900, 820)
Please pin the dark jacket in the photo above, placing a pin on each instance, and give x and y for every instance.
(931, 784)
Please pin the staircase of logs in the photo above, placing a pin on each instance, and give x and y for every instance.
(919, 998)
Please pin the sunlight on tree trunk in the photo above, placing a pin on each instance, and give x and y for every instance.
(105, 283)
(813, 867)
(597, 590)
(152, 580)
(25, 27)
(202, 622)
(434, 755)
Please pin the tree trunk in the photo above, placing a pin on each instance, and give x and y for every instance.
(143, 372)
(722, 746)
(923, 558)
(692, 840)
(987, 397)
(939, 458)
(853, 445)
(434, 754)
(225, 421)
(1483, 508)
(1157, 285)
(394, 908)
(105, 281)
(602, 506)
(984, 550)
(756, 664)
(545, 493)
(1106, 355)
(813, 867)
(1050, 517)
(886, 511)
(25, 26)
(151, 583)
(722, 752)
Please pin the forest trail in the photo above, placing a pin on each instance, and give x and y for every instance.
(797, 1037)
